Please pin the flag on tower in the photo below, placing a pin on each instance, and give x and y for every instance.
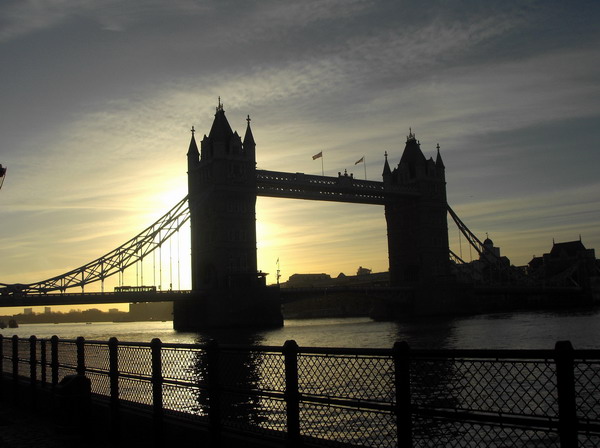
(318, 156)
(362, 159)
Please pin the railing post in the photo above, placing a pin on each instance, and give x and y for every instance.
(565, 384)
(214, 392)
(157, 397)
(43, 361)
(15, 357)
(32, 367)
(15, 368)
(54, 362)
(1, 367)
(113, 372)
(80, 355)
(403, 404)
(292, 394)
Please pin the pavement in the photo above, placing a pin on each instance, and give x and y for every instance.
(26, 429)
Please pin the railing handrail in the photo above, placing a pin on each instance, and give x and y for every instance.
(491, 354)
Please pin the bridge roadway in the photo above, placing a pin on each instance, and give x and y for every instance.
(287, 295)
(90, 298)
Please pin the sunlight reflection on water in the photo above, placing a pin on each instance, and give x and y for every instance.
(526, 330)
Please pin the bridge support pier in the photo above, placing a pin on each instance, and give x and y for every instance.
(258, 308)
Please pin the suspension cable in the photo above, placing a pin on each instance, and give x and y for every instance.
(115, 261)
(170, 265)
(178, 264)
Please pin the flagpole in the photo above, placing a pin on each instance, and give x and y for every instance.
(278, 271)
(365, 163)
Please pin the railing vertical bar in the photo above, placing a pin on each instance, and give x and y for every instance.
(80, 355)
(292, 395)
(214, 392)
(33, 368)
(113, 372)
(157, 391)
(565, 383)
(15, 359)
(1, 367)
(403, 401)
(43, 362)
(54, 362)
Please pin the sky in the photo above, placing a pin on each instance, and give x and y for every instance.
(97, 100)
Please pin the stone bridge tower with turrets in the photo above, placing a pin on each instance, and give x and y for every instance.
(417, 225)
(229, 289)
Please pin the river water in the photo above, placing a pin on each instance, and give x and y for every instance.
(523, 330)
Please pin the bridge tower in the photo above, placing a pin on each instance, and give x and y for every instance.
(417, 224)
(229, 290)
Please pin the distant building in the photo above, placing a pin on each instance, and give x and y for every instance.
(490, 267)
(144, 311)
(308, 280)
(27, 310)
(567, 264)
(113, 310)
(363, 271)
(364, 277)
(47, 310)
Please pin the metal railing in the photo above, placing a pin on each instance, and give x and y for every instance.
(333, 396)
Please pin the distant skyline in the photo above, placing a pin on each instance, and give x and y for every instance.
(98, 99)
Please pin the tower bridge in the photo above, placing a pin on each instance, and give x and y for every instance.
(223, 184)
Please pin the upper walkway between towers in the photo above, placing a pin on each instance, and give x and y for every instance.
(343, 188)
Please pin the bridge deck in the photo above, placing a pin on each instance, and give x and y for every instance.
(323, 188)
(90, 298)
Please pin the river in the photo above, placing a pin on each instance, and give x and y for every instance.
(522, 330)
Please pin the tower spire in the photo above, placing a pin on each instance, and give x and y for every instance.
(249, 145)
(438, 160)
(193, 153)
(386, 165)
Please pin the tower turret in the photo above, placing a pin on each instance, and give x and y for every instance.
(249, 145)
(439, 164)
(193, 156)
(387, 172)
